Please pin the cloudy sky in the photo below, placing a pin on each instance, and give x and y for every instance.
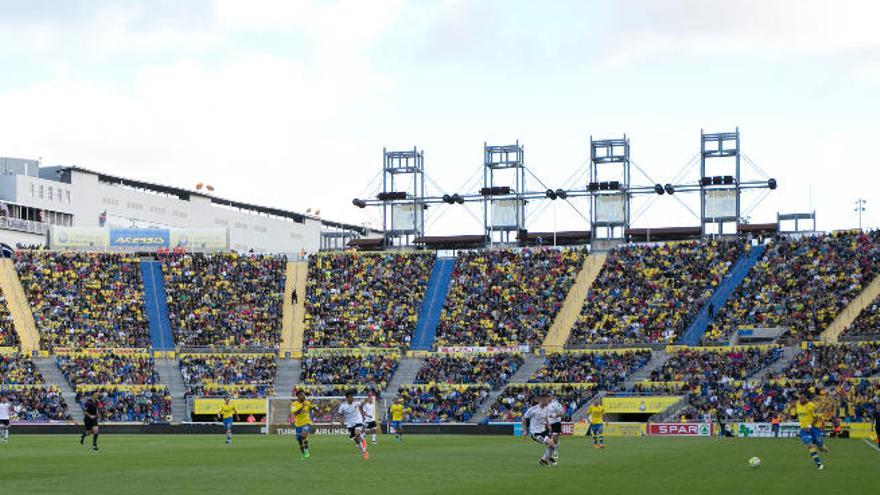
(289, 103)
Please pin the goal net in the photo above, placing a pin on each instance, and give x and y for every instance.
(325, 421)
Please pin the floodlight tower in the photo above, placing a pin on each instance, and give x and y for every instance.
(720, 188)
(402, 196)
(504, 183)
(609, 188)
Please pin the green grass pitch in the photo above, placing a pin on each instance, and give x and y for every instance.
(423, 464)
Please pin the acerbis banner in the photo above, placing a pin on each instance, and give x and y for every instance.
(102, 238)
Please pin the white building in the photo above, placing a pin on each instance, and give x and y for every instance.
(34, 198)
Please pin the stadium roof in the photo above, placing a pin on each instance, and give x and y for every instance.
(186, 194)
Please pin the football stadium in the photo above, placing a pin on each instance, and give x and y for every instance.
(628, 330)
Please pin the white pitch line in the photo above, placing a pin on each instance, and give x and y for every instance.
(871, 444)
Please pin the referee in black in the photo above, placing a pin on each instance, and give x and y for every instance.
(90, 411)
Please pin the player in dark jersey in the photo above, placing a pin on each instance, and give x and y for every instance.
(90, 413)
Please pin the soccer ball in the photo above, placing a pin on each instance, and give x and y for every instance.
(755, 462)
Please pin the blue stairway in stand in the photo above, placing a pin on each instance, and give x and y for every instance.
(155, 301)
(435, 296)
(739, 271)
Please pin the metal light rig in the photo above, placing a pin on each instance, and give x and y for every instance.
(504, 196)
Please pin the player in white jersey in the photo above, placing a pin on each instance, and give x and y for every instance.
(5, 415)
(555, 411)
(536, 426)
(352, 413)
(370, 415)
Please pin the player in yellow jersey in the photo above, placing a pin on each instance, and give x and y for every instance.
(596, 413)
(810, 434)
(226, 413)
(397, 413)
(300, 416)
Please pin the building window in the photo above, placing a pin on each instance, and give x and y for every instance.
(33, 189)
(41, 192)
(67, 193)
(220, 221)
(51, 194)
(242, 226)
(59, 194)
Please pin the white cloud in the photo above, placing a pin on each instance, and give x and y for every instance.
(645, 28)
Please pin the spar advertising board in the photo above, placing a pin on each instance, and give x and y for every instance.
(681, 429)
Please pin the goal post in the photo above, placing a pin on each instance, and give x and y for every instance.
(324, 418)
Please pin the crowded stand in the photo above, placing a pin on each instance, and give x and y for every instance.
(8, 336)
(130, 404)
(855, 400)
(35, 403)
(800, 284)
(741, 401)
(605, 370)
(442, 404)
(650, 293)
(30, 399)
(867, 323)
(365, 300)
(237, 375)
(493, 369)
(513, 402)
(373, 369)
(834, 364)
(716, 365)
(18, 369)
(107, 367)
(225, 299)
(84, 299)
(506, 297)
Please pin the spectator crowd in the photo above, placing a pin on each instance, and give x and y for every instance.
(801, 283)
(18, 369)
(22, 384)
(721, 365)
(867, 323)
(107, 367)
(506, 297)
(606, 370)
(513, 402)
(441, 404)
(338, 369)
(365, 300)
(493, 369)
(225, 299)
(141, 404)
(36, 403)
(834, 364)
(741, 401)
(240, 375)
(650, 293)
(84, 299)
(8, 336)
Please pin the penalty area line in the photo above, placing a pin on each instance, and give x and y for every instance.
(871, 444)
